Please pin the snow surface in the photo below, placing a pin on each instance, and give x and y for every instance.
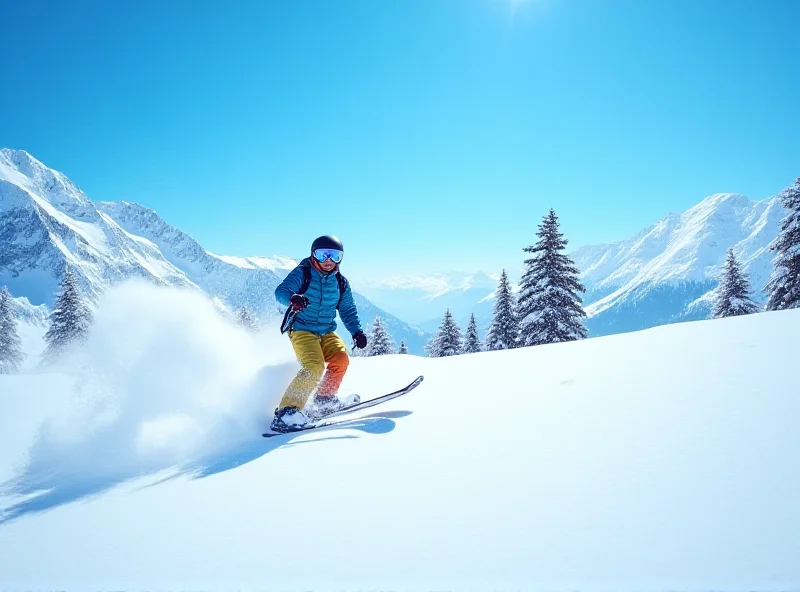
(662, 459)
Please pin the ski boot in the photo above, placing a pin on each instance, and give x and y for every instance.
(323, 406)
(288, 419)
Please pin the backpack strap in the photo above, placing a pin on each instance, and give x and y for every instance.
(306, 277)
(342, 281)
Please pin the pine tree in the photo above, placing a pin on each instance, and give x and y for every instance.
(472, 343)
(550, 309)
(733, 293)
(447, 341)
(783, 288)
(246, 319)
(380, 342)
(403, 348)
(70, 320)
(432, 347)
(504, 328)
(11, 355)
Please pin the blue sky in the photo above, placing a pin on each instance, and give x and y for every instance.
(427, 134)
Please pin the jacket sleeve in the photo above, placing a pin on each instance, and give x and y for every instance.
(289, 286)
(348, 312)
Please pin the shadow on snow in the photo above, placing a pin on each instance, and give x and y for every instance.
(44, 486)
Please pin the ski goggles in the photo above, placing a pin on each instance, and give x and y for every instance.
(323, 255)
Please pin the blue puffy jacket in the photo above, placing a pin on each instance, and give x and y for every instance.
(323, 294)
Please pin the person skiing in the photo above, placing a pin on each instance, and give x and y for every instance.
(313, 291)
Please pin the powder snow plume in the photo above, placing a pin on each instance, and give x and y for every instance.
(164, 382)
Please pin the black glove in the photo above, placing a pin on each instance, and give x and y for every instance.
(298, 302)
(360, 339)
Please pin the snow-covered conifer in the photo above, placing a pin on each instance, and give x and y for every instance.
(246, 319)
(380, 342)
(472, 342)
(70, 320)
(783, 288)
(11, 355)
(733, 293)
(447, 341)
(550, 309)
(504, 328)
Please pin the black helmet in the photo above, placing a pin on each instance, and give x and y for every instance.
(327, 242)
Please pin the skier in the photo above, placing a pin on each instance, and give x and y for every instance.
(313, 291)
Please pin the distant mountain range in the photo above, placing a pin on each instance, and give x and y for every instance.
(47, 222)
(422, 300)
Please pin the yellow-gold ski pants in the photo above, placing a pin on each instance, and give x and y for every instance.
(313, 352)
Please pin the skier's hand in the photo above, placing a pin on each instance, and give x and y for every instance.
(298, 302)
(360, 339)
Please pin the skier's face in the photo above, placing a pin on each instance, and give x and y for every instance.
(327, 265)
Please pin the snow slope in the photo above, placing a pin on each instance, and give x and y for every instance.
(667, 272)
(662, 459)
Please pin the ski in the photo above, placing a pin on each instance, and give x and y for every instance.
(325, 420)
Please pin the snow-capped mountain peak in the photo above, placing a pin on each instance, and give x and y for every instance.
(682, 247)
(20, 168)
(669, 269)
(46, 222)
